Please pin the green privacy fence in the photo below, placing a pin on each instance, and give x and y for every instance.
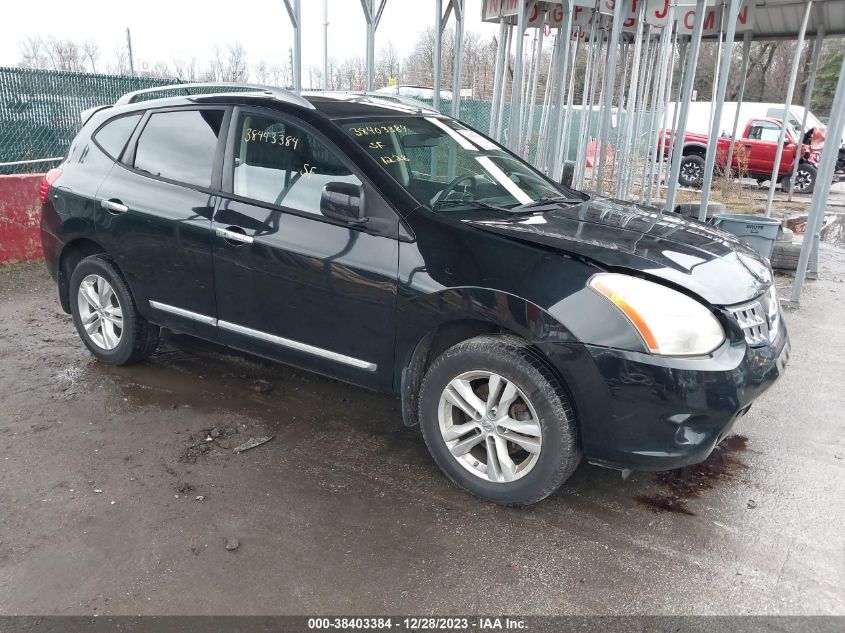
(40, 112)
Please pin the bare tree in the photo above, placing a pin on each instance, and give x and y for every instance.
(121, 65)
(33, 53)
(186, 71)
(91, 52)
(236, 68)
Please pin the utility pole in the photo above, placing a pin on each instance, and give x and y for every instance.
(129, 46)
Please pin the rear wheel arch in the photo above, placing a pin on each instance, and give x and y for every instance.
(72, 253)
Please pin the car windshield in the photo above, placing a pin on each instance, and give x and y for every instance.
(448, 167)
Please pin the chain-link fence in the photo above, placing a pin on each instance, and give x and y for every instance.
(39, 111)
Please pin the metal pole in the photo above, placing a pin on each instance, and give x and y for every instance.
(325, 44)
(297, 46)
(371, 45)
(516, 88)
(686, 94)
(500, 121)
(796, 61)
(535, 79)
(590, 78)
(646, 94)
(458, 6)
(811, 84)
(438, 48)
(746, 57)
(633, 94)
(558, 135)
(498, 80)
(653, 153)
(683, 49)
(719, 99)
(818, 204)
(131, 58)
(550, 105)
(670, 76)
(609, 82)
(563, 150)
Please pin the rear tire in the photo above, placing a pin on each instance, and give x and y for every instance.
(522, 434)
(105, 315)
(692, 171)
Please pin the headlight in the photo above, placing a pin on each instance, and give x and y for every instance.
(670, 323)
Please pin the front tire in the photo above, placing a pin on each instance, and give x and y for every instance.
(105, 316)
(805, 179)
(497, 421)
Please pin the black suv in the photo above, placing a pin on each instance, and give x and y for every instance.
(521, 323)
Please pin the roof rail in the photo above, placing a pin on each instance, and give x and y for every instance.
(408, 101)
(279, 93)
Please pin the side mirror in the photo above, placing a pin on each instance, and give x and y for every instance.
(343, 201)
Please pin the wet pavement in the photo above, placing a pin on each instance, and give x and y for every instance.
(120, 493)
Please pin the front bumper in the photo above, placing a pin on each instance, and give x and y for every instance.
(643, 412)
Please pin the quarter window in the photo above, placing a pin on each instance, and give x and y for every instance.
(284, 165)
(180, 145)
(112, 137)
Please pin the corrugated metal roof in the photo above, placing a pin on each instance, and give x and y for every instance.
(781, 19)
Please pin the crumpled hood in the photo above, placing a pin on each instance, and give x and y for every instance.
(711, 263)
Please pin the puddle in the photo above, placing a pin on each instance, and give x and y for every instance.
(688, 483)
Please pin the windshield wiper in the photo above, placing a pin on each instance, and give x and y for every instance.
(545, 200)
(468, 203)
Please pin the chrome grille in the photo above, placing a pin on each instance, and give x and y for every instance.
(759, 319)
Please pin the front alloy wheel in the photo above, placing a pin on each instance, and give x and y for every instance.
(100, 312)
(490, 426)
(498, 421)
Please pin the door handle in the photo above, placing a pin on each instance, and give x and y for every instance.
(114, 206)
(234, 234)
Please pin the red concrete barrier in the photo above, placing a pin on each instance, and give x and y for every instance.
(20, 212)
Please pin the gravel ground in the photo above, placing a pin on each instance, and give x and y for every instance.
(120, 493)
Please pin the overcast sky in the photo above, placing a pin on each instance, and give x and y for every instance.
(168, 29)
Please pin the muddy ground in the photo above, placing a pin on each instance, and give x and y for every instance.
(113, 501)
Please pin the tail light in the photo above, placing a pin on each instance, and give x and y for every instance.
(46, 183)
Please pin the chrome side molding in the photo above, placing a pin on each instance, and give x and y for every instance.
(265, 336)
(296, 345)
(193, 316)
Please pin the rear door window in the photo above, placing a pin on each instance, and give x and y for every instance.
(113, 136)
(180, 145)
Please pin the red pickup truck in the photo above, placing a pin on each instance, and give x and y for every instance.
(753, 157)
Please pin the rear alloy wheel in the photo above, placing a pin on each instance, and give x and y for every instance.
(100, 312)
(497, 421)
(692, 171)
(105, 315)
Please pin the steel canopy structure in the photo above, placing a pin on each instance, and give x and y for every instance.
(616, 37)
(630, 52)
